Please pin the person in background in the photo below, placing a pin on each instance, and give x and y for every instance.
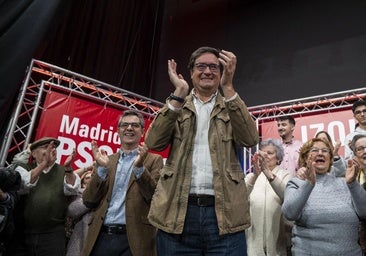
(359, 113)
(120, 193)
(10, 182)
(45, 194)
(326, 209)
(266, 187)
(7, 203)
(358, 146)
(291, 146)
(81, 171)
(200, 206)
(78, 209)
(339, 164)
(80, 215)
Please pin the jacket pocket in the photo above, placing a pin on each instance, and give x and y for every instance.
(224, 128)
(166, 173)
(236, 176)
(165, 184)
(184, 126)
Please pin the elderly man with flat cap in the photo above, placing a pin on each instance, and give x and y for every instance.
(46, 187)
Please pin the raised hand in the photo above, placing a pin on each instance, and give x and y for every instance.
(177, 80)
(307, 172)
(49, 156)
(70, 158)
(255, 160)
(100, 156)
(336, 148)
(141, 156)
(228, 61)
(353, 167)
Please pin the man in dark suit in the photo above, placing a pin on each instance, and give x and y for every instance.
(120, 190)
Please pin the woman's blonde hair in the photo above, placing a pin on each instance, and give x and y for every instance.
(305, 149)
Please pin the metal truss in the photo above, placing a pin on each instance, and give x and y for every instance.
(301, 107)
(42, 77)
(311, 105)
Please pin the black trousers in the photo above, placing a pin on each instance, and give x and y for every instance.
(111, 245)
(44, 244)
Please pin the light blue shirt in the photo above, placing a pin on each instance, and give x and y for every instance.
(116, 213)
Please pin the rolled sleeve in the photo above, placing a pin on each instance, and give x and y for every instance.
(25, 179)
(70, 190)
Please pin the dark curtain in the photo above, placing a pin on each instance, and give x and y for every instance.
(112, 41)
(23, 23)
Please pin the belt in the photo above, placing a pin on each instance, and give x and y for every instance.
(201, 200)
(114, 229)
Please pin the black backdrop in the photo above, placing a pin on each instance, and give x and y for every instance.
(286, 49)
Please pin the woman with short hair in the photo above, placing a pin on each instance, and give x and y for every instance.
(325, 209)
(266, 185)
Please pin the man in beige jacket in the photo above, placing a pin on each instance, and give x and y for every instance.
(201, 204)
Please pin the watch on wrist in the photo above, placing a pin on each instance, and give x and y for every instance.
(176, 98)
(69, 170)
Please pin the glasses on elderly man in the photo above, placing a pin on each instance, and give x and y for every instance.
(322, 150)
(202, 67)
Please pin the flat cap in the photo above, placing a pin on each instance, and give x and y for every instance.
(44, 141)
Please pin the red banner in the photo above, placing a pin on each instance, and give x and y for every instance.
(337, 124)
(76, 122)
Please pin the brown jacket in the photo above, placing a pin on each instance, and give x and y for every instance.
(140, 234)
(231, 125)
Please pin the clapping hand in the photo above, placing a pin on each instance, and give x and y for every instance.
(49, 156)
(336, 148)
(256, 164)
(177, 80)
(353, 168)
(70, 158)
(307, 172)
(228, 61)
(141, 156)
(100, 156)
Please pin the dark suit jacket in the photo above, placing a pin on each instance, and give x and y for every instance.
(140, 233)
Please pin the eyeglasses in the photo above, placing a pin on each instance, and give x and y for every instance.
(322, 150)
(202, 67)
(124, 125)
(359, 112)
(360, 149)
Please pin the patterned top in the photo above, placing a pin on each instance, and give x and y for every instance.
(326, 215)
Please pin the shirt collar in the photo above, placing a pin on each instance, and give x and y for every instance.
(213, 96)
(131, 153)
(289, 142)
(47, 170)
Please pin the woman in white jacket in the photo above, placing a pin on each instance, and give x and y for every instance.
(269, 232)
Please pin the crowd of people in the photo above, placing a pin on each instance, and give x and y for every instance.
(299, 198)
